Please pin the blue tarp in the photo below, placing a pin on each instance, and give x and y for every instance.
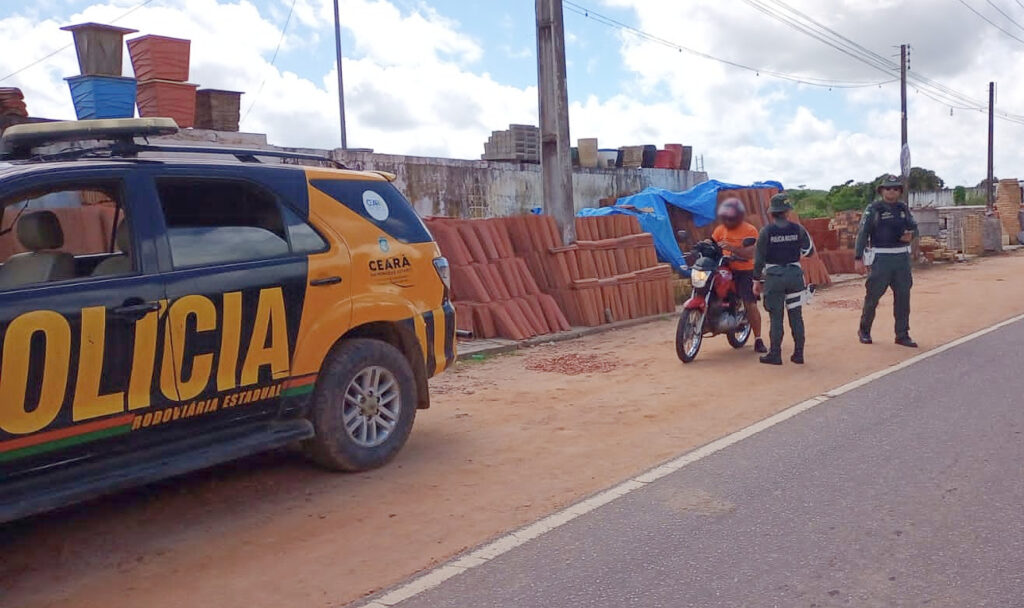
(701, 201)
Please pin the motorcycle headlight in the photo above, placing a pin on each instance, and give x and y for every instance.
(699, 278)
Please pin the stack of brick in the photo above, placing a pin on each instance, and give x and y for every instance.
(518, 143)
(837, 260)
(1008, 202)
(610, 274)
(494, 292)
(846, 224)
(973, 228)
(934, 251)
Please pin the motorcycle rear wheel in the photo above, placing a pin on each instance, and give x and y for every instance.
(739, 336)
(689, 334)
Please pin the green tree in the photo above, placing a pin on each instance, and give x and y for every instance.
(924, 180)
(851, 195)
(959, 195)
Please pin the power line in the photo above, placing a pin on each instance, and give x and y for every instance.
(51, 54)
(273, 60)
(1004, 14)
(819, 31)
(990, 22)
(807, 80)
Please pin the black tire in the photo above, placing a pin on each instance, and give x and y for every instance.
(739, 338)
(333, 447)
(687, 326)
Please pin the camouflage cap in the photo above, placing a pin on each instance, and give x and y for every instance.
(890, 181)
(780, 204)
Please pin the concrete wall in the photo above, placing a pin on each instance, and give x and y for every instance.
(470, 188)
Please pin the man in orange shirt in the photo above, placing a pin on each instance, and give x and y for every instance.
(729, 235)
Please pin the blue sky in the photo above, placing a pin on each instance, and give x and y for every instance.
(436, 76)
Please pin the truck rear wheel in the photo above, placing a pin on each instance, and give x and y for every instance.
(363, 407)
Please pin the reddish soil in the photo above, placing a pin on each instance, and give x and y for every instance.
(502, 446)
(571, 364)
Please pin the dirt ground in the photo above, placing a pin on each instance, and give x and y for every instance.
(501, 446)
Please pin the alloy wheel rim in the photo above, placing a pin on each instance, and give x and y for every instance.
(371, 406)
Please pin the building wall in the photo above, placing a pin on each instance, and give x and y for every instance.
(469, 188)
(960, 227)
(940, 198)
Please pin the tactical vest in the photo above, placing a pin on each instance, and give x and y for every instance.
(890, 221)
(783, 244)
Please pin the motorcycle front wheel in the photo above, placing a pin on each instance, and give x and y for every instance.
(689, 334)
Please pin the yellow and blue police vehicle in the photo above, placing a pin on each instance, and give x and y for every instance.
(164, 308)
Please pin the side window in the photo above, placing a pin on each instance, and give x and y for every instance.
(221, 221)
(303, 237)
(63, 232)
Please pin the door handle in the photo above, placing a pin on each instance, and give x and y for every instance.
(325, 281)
(134, 309)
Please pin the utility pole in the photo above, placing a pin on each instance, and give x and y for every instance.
(904, 149)
(556, 162)
(341, 84)
(991, 144)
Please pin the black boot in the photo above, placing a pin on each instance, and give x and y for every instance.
(771, 359)
(759, 346)
(864, 336)
(906, 341)
(798, 356)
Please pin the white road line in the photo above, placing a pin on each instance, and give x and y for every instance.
(506, 543)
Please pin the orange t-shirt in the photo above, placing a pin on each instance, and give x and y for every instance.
(735, 238)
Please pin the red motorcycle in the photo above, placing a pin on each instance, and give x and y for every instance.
(714, 307)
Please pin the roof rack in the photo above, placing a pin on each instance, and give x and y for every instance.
(18, 141)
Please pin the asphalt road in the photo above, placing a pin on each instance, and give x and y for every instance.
(908, 491)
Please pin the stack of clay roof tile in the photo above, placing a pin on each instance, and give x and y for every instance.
(756, 201)
(12, 102)
(494, 292)
(610, 274)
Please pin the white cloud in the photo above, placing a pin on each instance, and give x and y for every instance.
(414, 83)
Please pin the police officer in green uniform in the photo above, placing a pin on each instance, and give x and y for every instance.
(883, 246)
(780, 245)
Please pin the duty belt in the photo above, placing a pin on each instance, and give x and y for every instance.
(797, 264)
(905, 249)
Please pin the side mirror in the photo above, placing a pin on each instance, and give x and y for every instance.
(682, 235)
(749, 241)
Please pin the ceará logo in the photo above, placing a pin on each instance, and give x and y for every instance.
(375, 205)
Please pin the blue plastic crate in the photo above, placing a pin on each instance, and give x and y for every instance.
(102, 96)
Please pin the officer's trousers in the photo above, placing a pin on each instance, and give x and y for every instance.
(782, 284)
(889, 270)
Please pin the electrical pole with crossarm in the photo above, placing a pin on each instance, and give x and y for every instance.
(555, 158)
